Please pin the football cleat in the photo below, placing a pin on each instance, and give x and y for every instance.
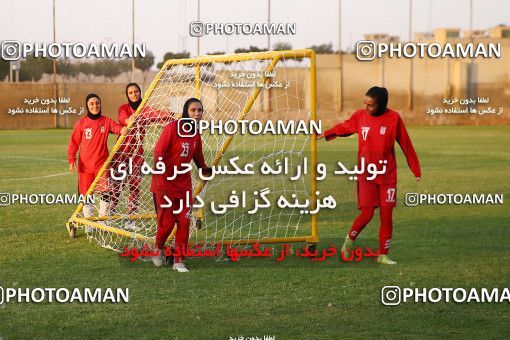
(159, 260)
(347, 247)
(180, 267)
(384, 259)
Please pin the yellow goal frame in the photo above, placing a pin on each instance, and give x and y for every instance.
(274, 56)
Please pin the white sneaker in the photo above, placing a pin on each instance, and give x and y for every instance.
(180, 267)
(160, 259)
(131, 226)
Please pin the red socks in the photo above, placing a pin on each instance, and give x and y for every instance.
(361, 221)
(385, 231)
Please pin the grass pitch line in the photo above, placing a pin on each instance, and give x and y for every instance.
(38, 158)
(36, 177)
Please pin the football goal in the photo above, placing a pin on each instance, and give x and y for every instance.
(273, 86)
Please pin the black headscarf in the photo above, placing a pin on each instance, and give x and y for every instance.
(90, 114)
(134, 105)
(380, 94)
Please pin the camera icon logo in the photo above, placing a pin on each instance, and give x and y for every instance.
(5, 199)
(391, 295)
(186, 127)
(411, 199)
(196, 29)
(11, 50)
(366, 50)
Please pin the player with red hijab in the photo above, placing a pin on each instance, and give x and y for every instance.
(90, 137)
(174, 149)
(378, 128)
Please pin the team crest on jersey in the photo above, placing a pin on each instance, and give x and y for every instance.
(382, 131)
(102, 129)
(364, 132)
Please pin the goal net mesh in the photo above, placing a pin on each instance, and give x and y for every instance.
(257, 87)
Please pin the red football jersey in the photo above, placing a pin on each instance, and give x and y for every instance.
(90, 136)
(133, 143)
(175, 150)
(376, 141)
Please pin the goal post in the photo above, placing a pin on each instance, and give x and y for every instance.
(230, 88)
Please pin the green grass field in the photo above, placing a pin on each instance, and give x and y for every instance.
(435, 246)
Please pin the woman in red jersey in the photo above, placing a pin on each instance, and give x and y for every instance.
(132, 147)
(90, 137)
(175, 149)
(378, 128)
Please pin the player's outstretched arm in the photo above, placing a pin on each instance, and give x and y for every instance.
(117, 128)
(152, 115)
(344, 129)
(406, 145)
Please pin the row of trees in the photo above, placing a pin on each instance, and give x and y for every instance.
(279, 46)
(32, 69)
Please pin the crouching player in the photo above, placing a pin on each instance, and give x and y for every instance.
(90, 137)
(175, 148)
(378, 128)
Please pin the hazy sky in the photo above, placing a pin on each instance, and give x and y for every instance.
(164, 24)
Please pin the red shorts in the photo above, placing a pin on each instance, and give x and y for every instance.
(85, 181)
(371, 194)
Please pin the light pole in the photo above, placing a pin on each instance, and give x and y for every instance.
(269, 23)
(410, 87)
(198, 19)
(133, 39)
(55, 118)
(341, 68)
